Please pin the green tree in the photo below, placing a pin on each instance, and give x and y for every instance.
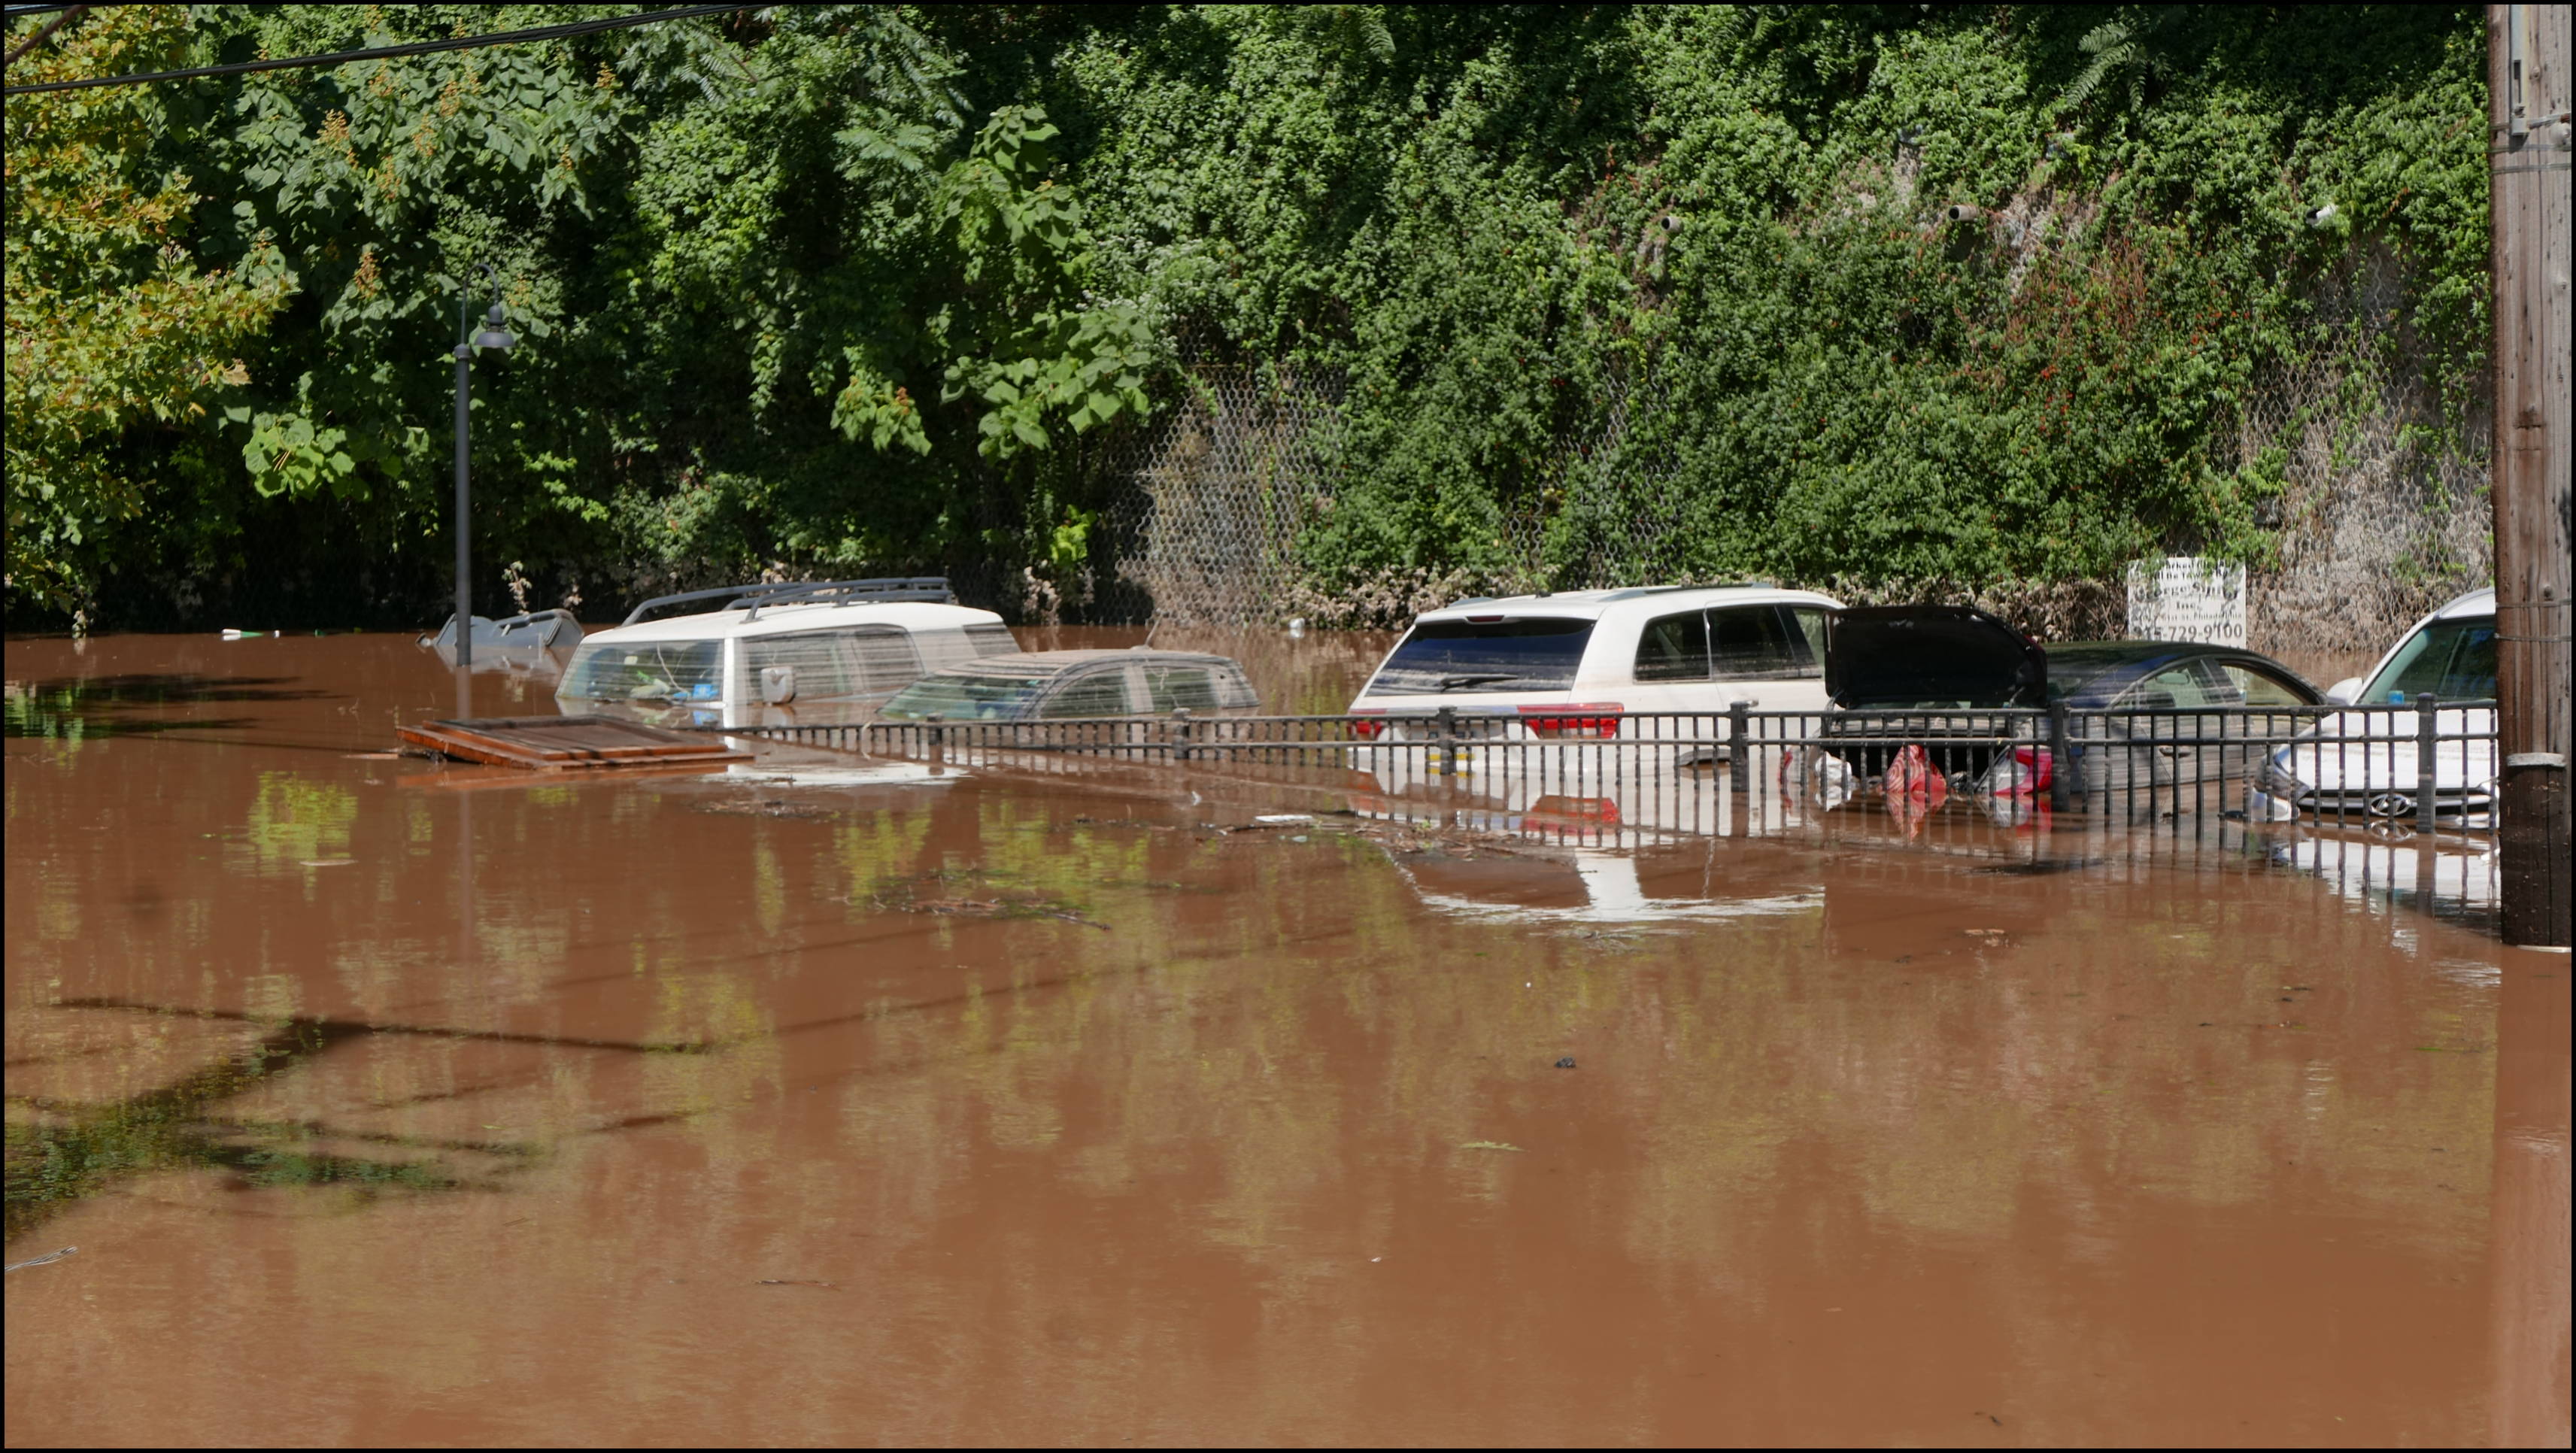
(113, 325)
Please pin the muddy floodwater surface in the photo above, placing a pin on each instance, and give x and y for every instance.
(388, 1103)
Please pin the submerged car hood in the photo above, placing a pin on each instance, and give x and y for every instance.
(1904, 655)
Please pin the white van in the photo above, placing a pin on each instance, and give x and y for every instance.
(823, 651)
(1551, 660)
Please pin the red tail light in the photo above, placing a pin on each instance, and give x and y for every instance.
(1367, 730)
(1591, 719)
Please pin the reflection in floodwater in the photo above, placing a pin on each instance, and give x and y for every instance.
(838, 1102)
(62, 1150)
(2450, 876)
(1593, 885)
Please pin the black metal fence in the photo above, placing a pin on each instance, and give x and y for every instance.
(2423, 767)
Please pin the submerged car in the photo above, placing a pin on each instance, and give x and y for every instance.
(1059, 685)
(1887, 664)
(1567, 664)
(2363, 761)
(824, 651)
(539, 642)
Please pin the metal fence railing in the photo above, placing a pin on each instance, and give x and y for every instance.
(2423, 767)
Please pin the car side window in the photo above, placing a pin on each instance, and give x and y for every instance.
(2260, 688)
(1172, 687)
(1234, 689)
(1810, 621)
(2189, 687)
(885, 658)
(1094, 693)
(1754, 643)
(820, 672)
(1673, 648)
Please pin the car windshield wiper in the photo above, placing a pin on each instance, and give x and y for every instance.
(1453, 683)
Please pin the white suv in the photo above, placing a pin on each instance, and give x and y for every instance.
(824, 651)
(1554, 660)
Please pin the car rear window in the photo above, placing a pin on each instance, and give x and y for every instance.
(1537, 653)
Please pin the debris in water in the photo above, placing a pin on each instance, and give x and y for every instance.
(767, 807)
(567, 743)
(829, 1286)
(41, 1260)
(1491, 1145)
(904, 897)
(1566, 1063)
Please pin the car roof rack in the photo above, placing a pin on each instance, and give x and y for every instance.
(932, 588)
(1639, 592)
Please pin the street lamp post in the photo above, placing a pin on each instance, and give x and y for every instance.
(494, 337)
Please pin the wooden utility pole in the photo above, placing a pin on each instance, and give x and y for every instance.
(2528, 140)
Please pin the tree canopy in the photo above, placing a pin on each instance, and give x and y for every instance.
(834, 288)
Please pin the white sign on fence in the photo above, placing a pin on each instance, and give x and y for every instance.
(2186, 598)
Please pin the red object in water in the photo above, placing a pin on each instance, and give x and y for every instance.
(1912, 782)
(2031, 771)
(1575, 809)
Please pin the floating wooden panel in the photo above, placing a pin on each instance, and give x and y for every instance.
(567, 743)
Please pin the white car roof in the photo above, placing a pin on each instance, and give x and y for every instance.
(1644, 600)
(803, 616)
(2475, 603)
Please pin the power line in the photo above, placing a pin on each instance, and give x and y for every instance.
(389, 52)
(37, 37)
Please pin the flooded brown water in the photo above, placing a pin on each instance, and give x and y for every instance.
(392, 1104)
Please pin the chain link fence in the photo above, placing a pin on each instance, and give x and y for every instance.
(2383, 512)
(1214, 496)
(2381, 509)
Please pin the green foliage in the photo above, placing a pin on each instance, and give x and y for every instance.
(112, 325)
(1608, 293)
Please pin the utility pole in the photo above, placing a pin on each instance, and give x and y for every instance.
(495, 337)
(2528, 140)
(464, 513)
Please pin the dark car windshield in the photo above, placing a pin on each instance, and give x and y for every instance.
(1531, 654)
(2454, 660)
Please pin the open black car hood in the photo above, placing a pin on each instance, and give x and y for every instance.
(1939, 655)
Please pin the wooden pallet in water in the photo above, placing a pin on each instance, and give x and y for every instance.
(568, 743)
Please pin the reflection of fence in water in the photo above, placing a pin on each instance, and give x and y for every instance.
(2421, 768)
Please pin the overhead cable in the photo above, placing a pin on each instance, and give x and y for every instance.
(37, 38)
(390, 52)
